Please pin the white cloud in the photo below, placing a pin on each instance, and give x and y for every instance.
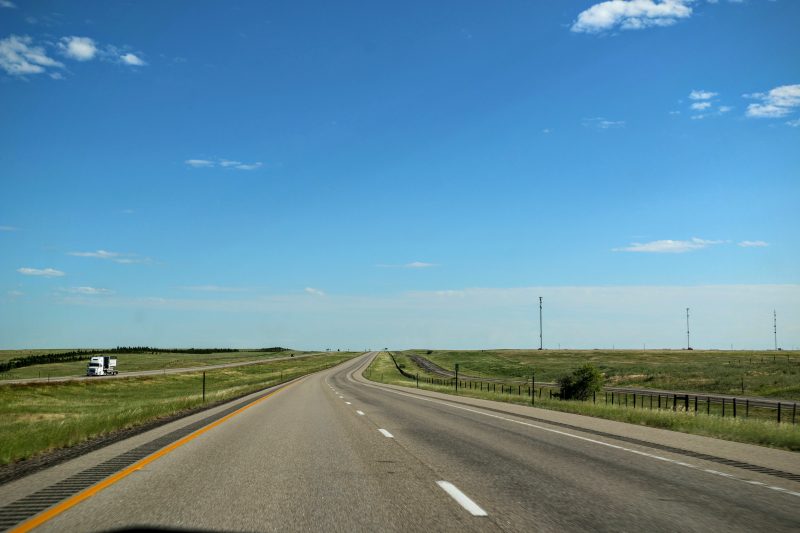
(702, 95)
(89, 291)
(313, 291)
(132, 59)
(668, 246)
(631, 15)
(19, 56)
(8, 228)
(699, 106)
(413, 264)
(753, 244)
(724, 108)
(8, 4)
(99, 254)
(44, 272)
(248, 166)
(78, 48)
(793, 123)
(224, 163)
(213, 288)
(199, 163)
(419, 264)
(602, 123)
(124, 259)
(778, 102)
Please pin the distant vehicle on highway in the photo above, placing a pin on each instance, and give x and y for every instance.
(102, 366)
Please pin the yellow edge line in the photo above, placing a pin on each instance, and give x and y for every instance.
(72, 501)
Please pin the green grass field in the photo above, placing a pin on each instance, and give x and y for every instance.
(134, 362)
(753, 430)
(767, 373)
(38, 417)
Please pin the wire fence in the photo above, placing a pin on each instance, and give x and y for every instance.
(709, 404)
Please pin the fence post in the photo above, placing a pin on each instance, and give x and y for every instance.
(695, 404)
(533, 387)
(606, 397)
(651, 401)
(634, 400)
(747, 408)
(779, 412)
(594, 397)
(723, 408)
(204, 387)
(708, 405)
(612, 397)
(417, 379)
(734, 408)
(686, 403)
(674, 402)
(659, 401)
(794, 411)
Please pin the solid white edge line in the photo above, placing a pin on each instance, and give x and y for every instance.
(586, 439)
(386, 434)
(462, 499)
(360, 413)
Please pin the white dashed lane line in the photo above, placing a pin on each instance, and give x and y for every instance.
(361, 413)
(386, 434)
(462, 499)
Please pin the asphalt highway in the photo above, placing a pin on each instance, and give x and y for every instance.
(334, 452)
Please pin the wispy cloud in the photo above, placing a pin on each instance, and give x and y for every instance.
(43, 272)
(19, 56)
(705, 104)
(15, 294)
(631, 15)
(777, 103)
(413, 264)
(753, 244)
(9, 228)
(116, 257)
(313, 291)
(702, 95)
(601, 123)
(213, 288)
(224, 163)
(668, 246)
(89, 291)
(8, 4)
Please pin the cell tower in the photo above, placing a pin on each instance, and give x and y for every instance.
(775, 328)
(541, 346)
(688, 344)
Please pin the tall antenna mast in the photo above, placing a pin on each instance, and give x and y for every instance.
(775, 328)
(688, 345)
(540, 323)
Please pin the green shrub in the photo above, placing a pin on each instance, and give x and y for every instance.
(581, 384)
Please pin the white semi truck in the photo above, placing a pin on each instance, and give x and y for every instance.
(102, 366)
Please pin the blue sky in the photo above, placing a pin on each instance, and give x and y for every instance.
(361, 174)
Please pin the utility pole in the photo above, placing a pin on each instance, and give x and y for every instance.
(688, 344)
(775, 328)
(540, 323)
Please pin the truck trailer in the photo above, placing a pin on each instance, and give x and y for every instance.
(102, 366)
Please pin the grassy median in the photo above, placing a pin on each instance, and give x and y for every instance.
(134, 362)
(747, 430)
(39, 417)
